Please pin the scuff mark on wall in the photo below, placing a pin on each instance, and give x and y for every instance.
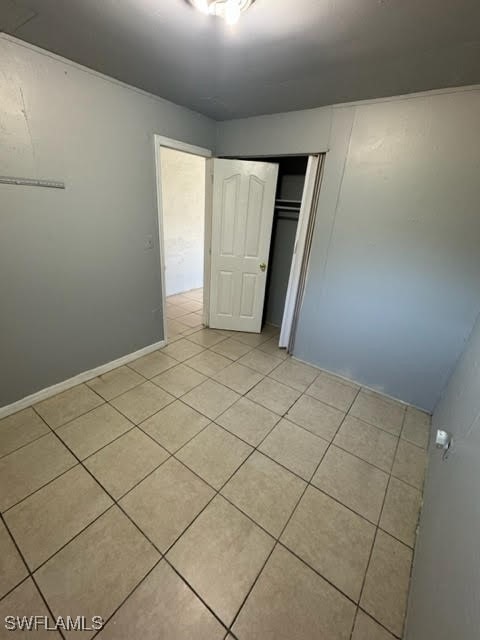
(27, 123)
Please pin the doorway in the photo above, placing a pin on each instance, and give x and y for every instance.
(183, 197)
(190, 196)
(291, 181)
(181, 192)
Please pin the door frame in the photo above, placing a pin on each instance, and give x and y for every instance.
(169, 143)
(299, 266)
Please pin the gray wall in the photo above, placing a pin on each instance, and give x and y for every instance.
(297, 132)
(77, 287)
(392, 291)
(446, 580)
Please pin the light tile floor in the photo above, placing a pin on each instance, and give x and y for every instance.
(214, 489)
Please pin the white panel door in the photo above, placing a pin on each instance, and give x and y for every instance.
(242, 216)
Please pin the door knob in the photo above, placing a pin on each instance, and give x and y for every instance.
(263, 266)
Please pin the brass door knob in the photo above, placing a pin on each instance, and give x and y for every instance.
(263, 266)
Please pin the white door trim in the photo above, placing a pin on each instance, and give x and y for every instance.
(313, 167)
(178, 145)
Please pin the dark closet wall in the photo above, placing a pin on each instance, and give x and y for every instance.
(291, 179)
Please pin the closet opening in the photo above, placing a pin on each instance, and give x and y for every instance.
(296, 201)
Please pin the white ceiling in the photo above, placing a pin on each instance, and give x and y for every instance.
(283, 55)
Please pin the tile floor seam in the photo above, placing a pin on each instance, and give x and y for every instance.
(286, 417)
(16, 585)
(151, 415)
(277, 542)
(376, 534)
(104, 446)
(131, 592)
(178, 397)
(223, 338)
(237, 436)
(208, 375)
(332, 406)
(265, 375)
(196, 593)
(318, 573)
(53, 431)
(250, 349)
(80, 415)
(115, 501)
(412, 486)
(69, 422)
(117, 395)
(22, 446)
(115, 504)
(44, 562)
(394, 635)
(217, 492)
(43, 485)
(29, 575)
(172, 454)
(280, 417)
(325, 493)
(139, 481)
(120, 507)
(362, 459)
(143, 375)
(375, 425)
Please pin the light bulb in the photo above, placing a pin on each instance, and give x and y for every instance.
(202, 5)
(232, 12)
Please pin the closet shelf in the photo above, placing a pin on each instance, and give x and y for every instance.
(284, 207)
(292, 203)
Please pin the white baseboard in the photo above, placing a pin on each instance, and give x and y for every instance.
(43, 394)
(360, 384)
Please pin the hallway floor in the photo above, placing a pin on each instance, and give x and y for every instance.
(213, 489)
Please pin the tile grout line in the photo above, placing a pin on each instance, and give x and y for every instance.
(120, 507)
(376, 533)
(164, 555)
(277, 541)
(52, 430)
(29, 575)
(22, 446)
(115, 504)
(217, 492)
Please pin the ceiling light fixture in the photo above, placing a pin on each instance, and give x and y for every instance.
(229, 10)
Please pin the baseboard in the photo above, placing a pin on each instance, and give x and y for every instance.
(360, 384)
(43, 394)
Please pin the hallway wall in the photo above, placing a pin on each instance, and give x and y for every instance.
(183, 202)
